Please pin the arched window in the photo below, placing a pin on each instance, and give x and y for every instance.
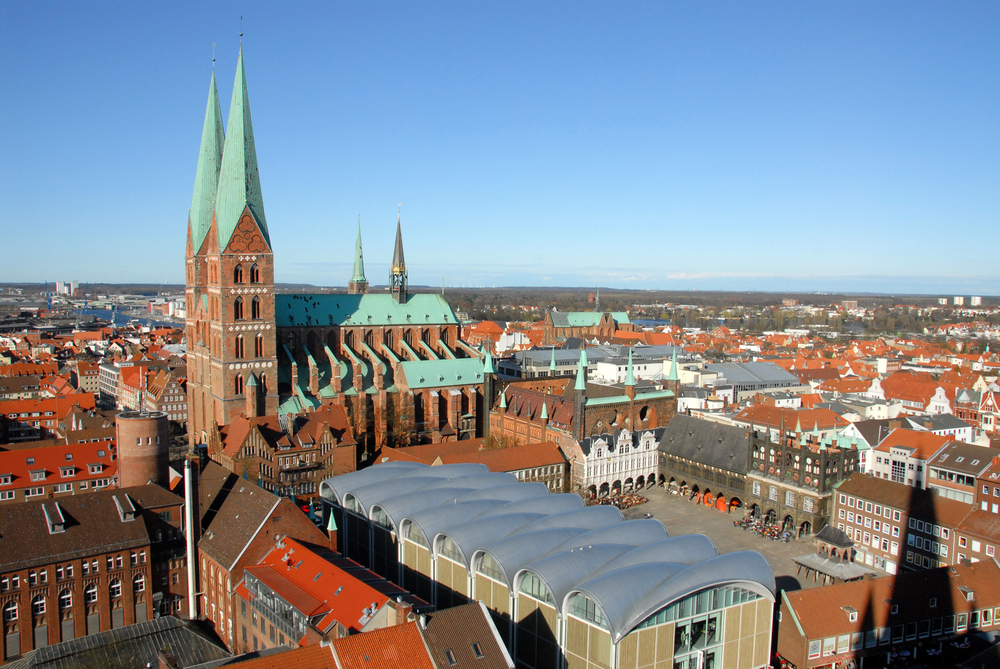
(254, 273)
(408, 337)
(238, 309)
(239, 347)
(90, 594)
(139, 584)
(255, 308)
(10, 612)
(238, 274)
(444, 337)
(369, 338)
(389, 339)
(258, 346)
(65, 600)
(238, 384)
(263, 384)
(115, 588)
(38, 605)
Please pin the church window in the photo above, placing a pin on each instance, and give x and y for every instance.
(408, 337)
(258, 346)
(238, 274)
(238, 309)
(369, 338)
(263, 384)
(239, 346)
(388, 339)
(254, 273)
(444, 337)
(255, 308)
(238, 384)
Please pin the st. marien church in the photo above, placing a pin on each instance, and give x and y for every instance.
(393, 361)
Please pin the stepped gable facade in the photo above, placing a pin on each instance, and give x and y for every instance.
(394, 361)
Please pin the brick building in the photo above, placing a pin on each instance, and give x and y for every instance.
(884, 618)
(791, 481)
(287, 455)
(394, 361)
(72, 567)
(705, 459)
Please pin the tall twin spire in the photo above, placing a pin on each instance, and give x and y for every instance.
(239, 179)
(397, 282)
(206, 180)
(227, 179)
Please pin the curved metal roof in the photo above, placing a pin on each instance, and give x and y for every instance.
(686, 549)
(493, 525)
(442, 491)
(373, 493)
(554, 504)
(562, 572)
(334, 488)
(585, 519)
(514, 552)
(632, 533)
(512, 491)
(470, 536)
(434, 520)
(748, 569)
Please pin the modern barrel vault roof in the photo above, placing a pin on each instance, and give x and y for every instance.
(570, 547)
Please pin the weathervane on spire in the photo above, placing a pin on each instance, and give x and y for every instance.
(241, 29)
(213, 55)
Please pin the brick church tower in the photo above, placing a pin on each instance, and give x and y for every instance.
(231, 330)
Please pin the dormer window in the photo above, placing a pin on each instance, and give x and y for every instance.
(95, 469)
(5, 479)
(67, 472)
(38, 475)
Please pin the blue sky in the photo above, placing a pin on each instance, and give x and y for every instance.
(670, 145)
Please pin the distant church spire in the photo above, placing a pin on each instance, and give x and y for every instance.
(358, 284)
(206, 180)
(397, 283)
(239, 179)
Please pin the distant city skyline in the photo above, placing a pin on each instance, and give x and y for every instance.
(780, 147)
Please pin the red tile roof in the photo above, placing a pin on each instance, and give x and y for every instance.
(53, 459)
(387, 648)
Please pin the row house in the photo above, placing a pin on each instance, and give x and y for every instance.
(36, 419)
(792, 480)
(57, 471)
(903, 456)
(624, 460)
(287, 455)
(955, 469)
(888, 617)
(896, 527)
(166, 391)
(20, 387)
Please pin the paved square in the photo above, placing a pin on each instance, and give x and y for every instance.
(681, 516)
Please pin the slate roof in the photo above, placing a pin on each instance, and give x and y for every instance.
(93, 525)
(128, 647)
(707, 442)
(916, 502)
(241, 514)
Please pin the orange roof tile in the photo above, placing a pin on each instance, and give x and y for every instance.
(387, 648)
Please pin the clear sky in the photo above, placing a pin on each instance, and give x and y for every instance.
(671, 145)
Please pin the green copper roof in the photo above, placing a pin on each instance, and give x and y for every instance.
(251, 381)
(629, 371)
(552, 363)
(359, 261)
(436, 373)
(545, 412)
(488, 364)
(673, 376)
(424, 309)
(503, 400)
(583, 356)
(239, 180)
(206, 176)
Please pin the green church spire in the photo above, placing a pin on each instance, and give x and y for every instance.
(673, 376)
(552, 363)
(239, 179)
(206, 179)
(629, 372)
(581, 383)
(359, 261)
